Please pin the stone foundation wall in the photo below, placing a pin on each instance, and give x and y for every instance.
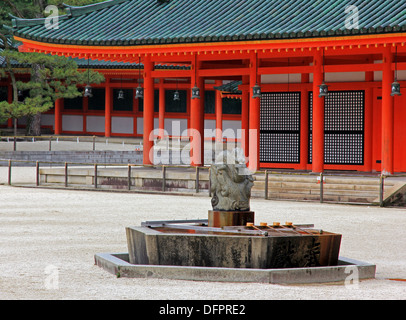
(107, 157)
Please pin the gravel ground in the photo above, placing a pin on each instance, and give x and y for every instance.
(50, 235)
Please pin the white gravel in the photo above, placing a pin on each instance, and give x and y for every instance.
(53, 235)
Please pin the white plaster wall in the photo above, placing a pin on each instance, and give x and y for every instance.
(281, 78)
(342, 77)
(72, 123)
(378, 74)
(345, 76)
(401, 75)
(48, 120)
(122, 125)
(209, 128)
(140, 125)
(95, 124)
(232, 129)
(176, 127)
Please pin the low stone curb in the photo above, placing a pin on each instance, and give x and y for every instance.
(118, 265)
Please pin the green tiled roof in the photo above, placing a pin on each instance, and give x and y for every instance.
(148, 22)
(231, 87)
(10, 43)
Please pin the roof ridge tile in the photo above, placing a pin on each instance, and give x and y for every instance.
(147, 22)
(74, 11)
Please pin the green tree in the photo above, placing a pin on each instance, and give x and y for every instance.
(56, 77)
(28, 9)
(52, 77)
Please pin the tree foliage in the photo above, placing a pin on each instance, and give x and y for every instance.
(29, 9)
(52, 77)
(56, 77)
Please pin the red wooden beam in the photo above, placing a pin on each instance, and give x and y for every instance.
(277, 87)
(400, 66)
(172, 73)
(328, 68)
(357, 44)
(171, 59)
(223, 55)
(225, 72)
(285, 70)
(204, 55)
(353, 67)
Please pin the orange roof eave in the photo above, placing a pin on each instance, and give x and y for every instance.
(129, 53)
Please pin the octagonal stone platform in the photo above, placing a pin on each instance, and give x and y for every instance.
(191, 250)
(119, 265)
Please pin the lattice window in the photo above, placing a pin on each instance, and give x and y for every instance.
(343, 127)
(280, 127)
(344, 148)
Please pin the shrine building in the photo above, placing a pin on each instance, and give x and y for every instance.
(304, 85)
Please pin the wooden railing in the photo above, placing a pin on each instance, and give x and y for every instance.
(164, 168)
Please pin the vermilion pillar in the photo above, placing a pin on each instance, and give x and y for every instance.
(108, 108)
(58, 117)
(245, 109)
(148, 156)
(368, 145)
(318, 115)
(196, 120)
(304, 123)
(219, 113)
(202, 86)
(387, 113)
(161, 109)
(254, 119)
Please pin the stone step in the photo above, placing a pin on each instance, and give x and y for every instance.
(326, 198)
(293, 196)
(391, 191)
(357, 193)
(311, 186)
(314, 179)
(287, 178)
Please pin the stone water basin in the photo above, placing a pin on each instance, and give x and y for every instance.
(194, 243)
